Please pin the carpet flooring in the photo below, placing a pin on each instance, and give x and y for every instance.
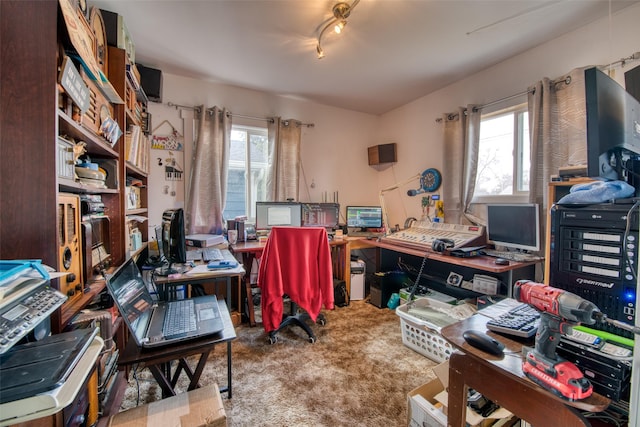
(357, 373)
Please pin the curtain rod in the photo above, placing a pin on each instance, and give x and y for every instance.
(264, 119)
(497, 101)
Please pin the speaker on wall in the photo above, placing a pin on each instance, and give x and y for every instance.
(151, 80)
(384, 153)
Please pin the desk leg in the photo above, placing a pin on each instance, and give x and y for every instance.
(520, 396)
(162, 380)
(247, 261)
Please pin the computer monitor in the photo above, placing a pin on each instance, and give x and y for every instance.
(173, 241)
(278, 214)
(514, 226)
(364, 217)
(613, 129)
(325, 215)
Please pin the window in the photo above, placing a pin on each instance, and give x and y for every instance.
(504, 156)
(248, 161)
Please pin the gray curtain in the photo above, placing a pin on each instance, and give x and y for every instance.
(284, 159)
(557, 123)
(462, 139)
(208, 188)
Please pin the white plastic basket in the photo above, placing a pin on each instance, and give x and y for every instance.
(423, 336)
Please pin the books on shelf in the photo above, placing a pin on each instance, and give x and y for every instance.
(137, 147)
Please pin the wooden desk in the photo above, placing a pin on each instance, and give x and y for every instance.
(500, 379)
(445, 263)
(164, 283)
(160, 360)
(250, 250)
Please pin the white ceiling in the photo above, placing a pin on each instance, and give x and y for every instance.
(391, 52)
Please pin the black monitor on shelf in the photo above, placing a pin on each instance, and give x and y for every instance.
(278, 214)
(364, 217)
(173, 241)
(613, 130)
(514, 226)
(325, 215)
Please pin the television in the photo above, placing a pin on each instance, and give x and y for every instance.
(364, 217)
(325, 215)
(174, 247)
(281, 214)
(613, 129)
(514, 226)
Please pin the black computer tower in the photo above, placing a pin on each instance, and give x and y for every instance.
(384, 284)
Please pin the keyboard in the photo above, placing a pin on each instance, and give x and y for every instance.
(520, 321)
(194, 255)
(212, 254)
(205, 254)
(179, 318)
(512, 256)
(365, 234)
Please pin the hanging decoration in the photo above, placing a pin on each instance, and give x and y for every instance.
(171, 141)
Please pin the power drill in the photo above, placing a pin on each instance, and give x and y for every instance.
(559, 311)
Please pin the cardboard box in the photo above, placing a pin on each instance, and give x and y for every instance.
(427, 404)
(197, 408)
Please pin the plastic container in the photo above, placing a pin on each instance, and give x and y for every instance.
(423, 336)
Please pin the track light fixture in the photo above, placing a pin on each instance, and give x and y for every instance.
(341, 12)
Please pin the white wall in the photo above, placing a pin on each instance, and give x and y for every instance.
(420, 137)
(334, 151)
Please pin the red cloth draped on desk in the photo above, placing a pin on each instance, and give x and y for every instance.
(296, 261)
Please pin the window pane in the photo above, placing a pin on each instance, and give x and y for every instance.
(249, 153)
(495, 159)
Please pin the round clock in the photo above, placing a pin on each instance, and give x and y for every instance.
(430, 180)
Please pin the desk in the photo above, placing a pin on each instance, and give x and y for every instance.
(159, 360)
(500, 379)
(250, 250)
(165, 282)
(443, 264)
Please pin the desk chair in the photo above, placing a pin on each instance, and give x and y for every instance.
(296, 262)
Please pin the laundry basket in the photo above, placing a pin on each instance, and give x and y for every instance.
(422, 335)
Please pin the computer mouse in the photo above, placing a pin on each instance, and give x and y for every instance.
(501, 261)
(484, 342)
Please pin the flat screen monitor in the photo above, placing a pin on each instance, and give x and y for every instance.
(173, 242)
(514, 226)
(278, 214)
(325, 215)
(364, 217)
(613, 129)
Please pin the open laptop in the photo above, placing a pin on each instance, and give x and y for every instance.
(148, 320)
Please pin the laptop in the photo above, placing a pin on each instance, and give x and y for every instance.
(148, 320)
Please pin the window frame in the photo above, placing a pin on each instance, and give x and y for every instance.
(517, 196)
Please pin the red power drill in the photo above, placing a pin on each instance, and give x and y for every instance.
(559, 310)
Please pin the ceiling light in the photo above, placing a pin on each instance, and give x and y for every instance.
(341, 12)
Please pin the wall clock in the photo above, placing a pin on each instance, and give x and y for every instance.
(96, 22)
(430, 180)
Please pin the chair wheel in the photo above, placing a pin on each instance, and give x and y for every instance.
(312, 340)
(322, 322)
(272, 339)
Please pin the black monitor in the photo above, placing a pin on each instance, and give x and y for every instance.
(278, 214)
(613, 129)
(173, 242)
(325, 215)
(514, 226)
(364, 217)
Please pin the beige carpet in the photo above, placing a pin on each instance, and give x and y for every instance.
(358, 373)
